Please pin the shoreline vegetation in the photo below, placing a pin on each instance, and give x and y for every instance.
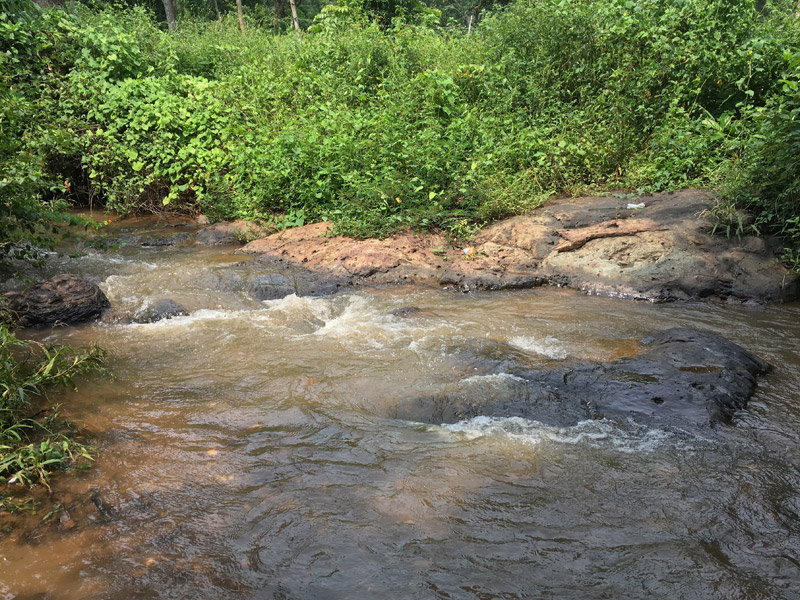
(379, 117)
(34, 441)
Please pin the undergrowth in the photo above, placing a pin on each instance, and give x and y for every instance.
(382, 126)
(34, 444)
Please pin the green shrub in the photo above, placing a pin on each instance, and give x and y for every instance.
(766, 178)
(381, 126)
(26, 220)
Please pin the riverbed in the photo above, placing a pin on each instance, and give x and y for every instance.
(250, 449)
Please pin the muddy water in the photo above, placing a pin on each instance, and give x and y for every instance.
(248, 450)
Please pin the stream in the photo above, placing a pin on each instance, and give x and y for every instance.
(250, 450)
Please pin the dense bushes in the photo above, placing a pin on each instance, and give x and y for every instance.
(381, 126)
(23, 174)
(766, 176)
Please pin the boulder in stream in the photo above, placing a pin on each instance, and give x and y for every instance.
(228, 233)
(157, 310)
(684, 377)
(63, 299)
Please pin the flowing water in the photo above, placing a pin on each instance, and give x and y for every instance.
(249, 450)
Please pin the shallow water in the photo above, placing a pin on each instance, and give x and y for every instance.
(248, 450)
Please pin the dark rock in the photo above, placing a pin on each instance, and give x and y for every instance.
(226, 234)
(157, 310)
(156, 242)
(63, 299)
(412, 312)
(405, 312)
(270, 278)
(685, 377)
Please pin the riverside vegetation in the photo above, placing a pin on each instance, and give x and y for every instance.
(379, 126)
(34, 445)
(378, 117)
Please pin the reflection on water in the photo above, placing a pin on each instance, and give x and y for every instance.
(248, 451)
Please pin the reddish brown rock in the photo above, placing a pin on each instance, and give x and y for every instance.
(664, 251)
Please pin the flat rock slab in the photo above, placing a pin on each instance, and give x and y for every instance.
(683, 378)
(662, 252)
(63, 299)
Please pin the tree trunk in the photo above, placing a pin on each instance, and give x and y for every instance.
(240, 12)
(294, 16)
(169, 10)
(216, 10)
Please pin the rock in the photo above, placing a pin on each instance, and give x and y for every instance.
(578, 238)
(153, 239)
(660, 253)
(406, 312)
(157, 310)
(63, 299)
(227, 234)
(273, 279)
(685, 377)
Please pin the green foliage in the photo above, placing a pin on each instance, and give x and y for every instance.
(30, 449)
(33, 195)
(766, 177)
(384, 124)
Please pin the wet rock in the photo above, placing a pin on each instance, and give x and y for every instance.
(228, 233)
(158, 242)
(685, 377)
(106, 513)
(63, 299)
(660, 253)
(273, 279)
(146, 232)
(406, 312)
(157, 310)
(412, 312)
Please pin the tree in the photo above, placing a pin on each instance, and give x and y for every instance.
(170, 12)
(240, 13)
(294, 16)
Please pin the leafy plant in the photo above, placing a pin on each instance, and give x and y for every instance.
(31, 448)
(766, 178)
(381, 125)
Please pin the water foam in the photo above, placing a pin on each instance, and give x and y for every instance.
(629, 438)
(493, 378)
(359, 322)
(548, 346)
(198, 316)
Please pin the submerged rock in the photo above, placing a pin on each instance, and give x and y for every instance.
(63, 299)
(685, 377)
(157, 310)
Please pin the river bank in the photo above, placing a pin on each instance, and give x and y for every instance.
(657, 248)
